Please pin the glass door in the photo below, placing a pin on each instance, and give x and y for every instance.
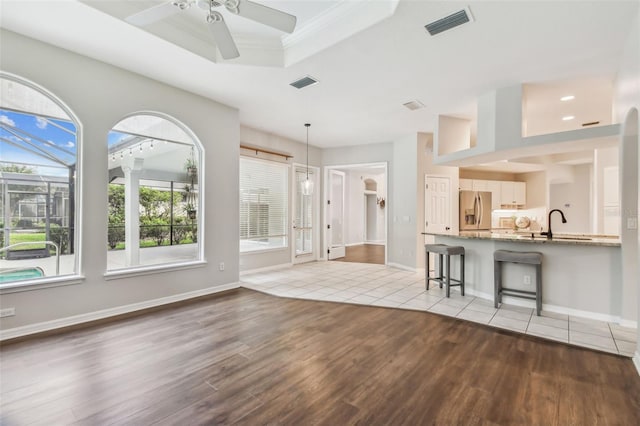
(303, 219)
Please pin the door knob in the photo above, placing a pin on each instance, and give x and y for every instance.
(447, 228)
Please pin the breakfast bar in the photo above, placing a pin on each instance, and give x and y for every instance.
(581, 274)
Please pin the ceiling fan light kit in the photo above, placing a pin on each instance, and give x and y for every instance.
(222, 35)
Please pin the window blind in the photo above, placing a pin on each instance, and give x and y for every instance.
(263, 205)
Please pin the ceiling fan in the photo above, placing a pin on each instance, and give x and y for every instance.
(245, 8)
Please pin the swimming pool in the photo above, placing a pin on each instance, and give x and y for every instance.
(19, 274)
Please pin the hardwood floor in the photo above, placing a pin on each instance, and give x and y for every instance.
(248, 358)
(364, 253)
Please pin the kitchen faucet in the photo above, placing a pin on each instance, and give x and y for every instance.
(549, 234)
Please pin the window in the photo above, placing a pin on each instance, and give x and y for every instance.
(39, 139)
(154, 193)
(263, 205)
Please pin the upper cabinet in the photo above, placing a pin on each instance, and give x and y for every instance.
(502, 193)
(513, 193)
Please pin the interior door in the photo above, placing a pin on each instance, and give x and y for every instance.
(335, 213)
(437, 204)
(303, 218)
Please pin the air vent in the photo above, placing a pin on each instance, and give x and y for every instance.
(414, 105)
(458, 18)
(304, 82)
(591, 123)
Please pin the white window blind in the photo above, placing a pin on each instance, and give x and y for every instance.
(263, 205)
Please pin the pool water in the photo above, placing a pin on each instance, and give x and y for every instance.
(14, 274)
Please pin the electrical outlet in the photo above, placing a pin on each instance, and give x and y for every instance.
(7, 312)
(221, 266)
(527, 280)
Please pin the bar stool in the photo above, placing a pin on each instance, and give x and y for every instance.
(445, 250)
(525, 257)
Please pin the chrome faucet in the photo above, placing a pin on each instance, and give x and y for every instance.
(549, 234)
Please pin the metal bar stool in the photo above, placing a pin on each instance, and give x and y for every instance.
(445, 250)
(525, 257)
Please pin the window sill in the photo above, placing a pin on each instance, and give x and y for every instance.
(39, 284)
(152, 269)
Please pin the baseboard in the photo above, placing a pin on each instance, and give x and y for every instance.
(401, 266)
(376, 243)
(266, 268)
(354, 244)
(636, 361)
(26, 330)
(557, 309)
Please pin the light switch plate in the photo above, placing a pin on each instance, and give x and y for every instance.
(632, 223)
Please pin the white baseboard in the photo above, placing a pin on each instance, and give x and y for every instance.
(636, 361)
(376, 243)
(354, 244)
(26, 330)
(557, 309)
(266, 268)
(401, 266)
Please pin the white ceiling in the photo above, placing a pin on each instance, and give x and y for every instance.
(365, 78)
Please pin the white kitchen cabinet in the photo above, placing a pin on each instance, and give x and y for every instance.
(479, 185)
(513, 193)
(495, 188)
(466, 185)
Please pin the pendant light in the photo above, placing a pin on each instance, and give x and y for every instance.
(307, 185)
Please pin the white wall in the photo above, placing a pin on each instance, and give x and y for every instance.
(101, 95)
(602, 158)
(402, 204)
(574, 199)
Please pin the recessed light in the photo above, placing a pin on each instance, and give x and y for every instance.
(568, 117)
(567, 98)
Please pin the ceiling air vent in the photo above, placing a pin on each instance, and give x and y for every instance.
(458, 18)
(414, 105)
(304, 82)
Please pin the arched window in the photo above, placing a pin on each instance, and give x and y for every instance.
(155, 197)
(39, 176)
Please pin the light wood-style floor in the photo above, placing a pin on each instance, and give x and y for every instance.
(364, 253)
(248, 358)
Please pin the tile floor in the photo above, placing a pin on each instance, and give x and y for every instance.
(380, 285)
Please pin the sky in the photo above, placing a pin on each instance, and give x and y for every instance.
(56, 137)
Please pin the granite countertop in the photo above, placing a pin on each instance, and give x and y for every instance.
(525, 237)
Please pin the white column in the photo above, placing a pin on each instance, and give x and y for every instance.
(132, 170)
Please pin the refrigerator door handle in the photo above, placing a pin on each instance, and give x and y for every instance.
(481, 214)
(475, 209)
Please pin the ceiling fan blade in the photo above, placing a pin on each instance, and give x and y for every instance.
(153, 14)
(222, 36)
(265, 15)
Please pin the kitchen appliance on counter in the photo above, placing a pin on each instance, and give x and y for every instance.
(475, 210)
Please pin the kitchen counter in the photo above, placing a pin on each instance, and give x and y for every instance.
(521, 237)
(581, 274)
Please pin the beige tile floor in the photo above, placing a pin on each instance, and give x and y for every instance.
(380, 285)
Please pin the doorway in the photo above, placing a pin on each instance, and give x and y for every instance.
(355, 219)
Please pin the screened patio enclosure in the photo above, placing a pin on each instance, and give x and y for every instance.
(154, 166)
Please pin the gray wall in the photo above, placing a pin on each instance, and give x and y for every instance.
(101, 95)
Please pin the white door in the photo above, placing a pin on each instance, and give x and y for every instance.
(335, 210)
(437, 204)
(303, 219)
(370, 218)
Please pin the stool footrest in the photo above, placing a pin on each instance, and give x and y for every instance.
(519, 293)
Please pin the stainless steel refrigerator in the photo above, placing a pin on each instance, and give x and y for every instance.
(475, 210)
